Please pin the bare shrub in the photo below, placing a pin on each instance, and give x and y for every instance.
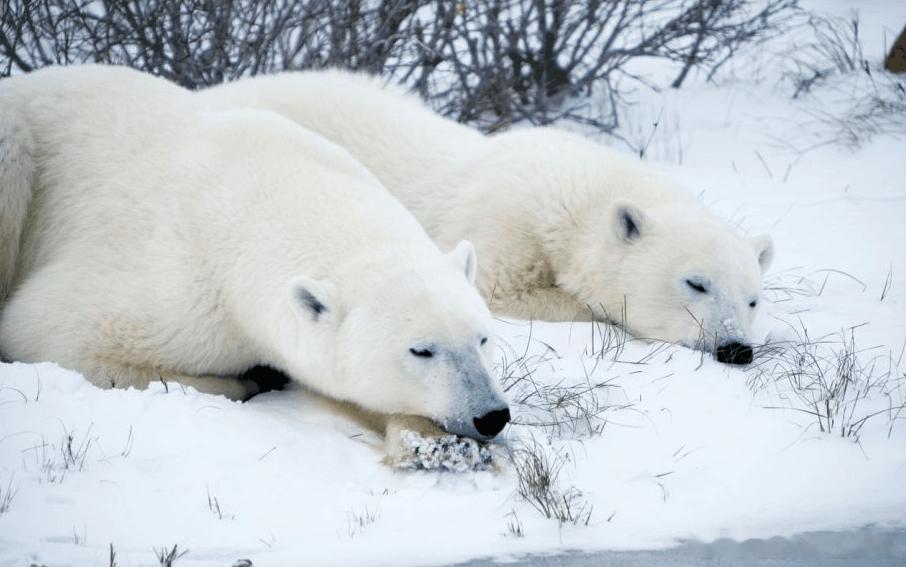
(489, 63)
(505, 61)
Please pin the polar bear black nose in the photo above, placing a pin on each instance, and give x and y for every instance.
(491, 423)
(734, 353)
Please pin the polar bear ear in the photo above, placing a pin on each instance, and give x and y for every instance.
(629, 221)
(312, 299)
(763, 245)
(464, 257)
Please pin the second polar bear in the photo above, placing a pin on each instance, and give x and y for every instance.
(146, 239)
(566, 228)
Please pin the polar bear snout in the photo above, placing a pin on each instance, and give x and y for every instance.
(483, 411)
(479, 409)
(734, 353)
(492, 423)
(484, 426)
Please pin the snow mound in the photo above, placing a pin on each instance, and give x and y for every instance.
(447, 453)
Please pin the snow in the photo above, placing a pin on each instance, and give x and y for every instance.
(686, 448)
(446, 453)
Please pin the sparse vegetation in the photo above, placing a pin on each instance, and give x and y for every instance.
(792, 284)
(840, 386)
(357, 521)
(876, 100)
(6, 496)
(538, 469)
(167, 557)
(564, 406)
(514, 525)
(880, 110)
(75, 451)
(888, 282)
(80, 538)
(491, 63)
(833, 47)
(70, 455)
(214, 507)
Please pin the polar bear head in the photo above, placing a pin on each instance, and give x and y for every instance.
(684, 276)
(413, 336)
(629, 244)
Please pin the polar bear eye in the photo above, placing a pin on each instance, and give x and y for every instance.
(421, 352)
(697, 286)
(484, 341)
(753, 304)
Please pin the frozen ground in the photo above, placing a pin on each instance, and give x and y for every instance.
(674, 446)
(859, 548)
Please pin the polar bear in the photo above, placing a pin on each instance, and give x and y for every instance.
(567, 229)
(146, 238)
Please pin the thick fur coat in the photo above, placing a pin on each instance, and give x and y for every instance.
(147, 237)
(566, 228)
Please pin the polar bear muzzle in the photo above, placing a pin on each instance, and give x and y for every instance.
(479, 409)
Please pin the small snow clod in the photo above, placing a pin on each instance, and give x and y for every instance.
(446, 453)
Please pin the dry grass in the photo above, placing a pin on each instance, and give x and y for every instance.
(514, 526)
(168, 557)
(214, 507)
(566, 406)
(6, 496)
(833, 47)
(873, 100)
(881, 111)
(538, 469)
(74, 450)
(56, 460)
(839, 385)
(356, 521)
(792, 284)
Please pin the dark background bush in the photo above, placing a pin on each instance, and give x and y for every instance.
(489, 63)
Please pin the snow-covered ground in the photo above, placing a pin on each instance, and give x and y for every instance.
(677, 446)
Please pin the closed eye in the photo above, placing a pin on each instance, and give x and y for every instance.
(697, 286)
(421, 352)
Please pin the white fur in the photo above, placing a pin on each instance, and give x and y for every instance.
(543, 209)
(166, 241)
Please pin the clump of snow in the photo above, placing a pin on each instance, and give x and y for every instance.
(446, 453)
